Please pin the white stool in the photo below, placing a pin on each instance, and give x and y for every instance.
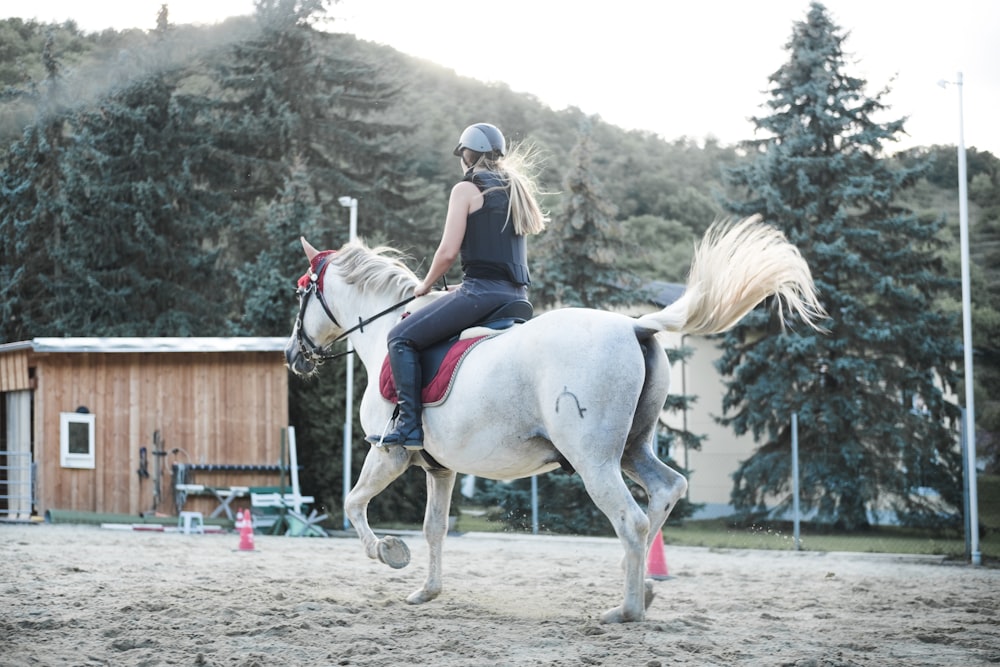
(191, 522)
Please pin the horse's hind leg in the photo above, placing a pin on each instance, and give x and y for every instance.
(380, 468)
(664, 486)
(608, 490)
(440, 484)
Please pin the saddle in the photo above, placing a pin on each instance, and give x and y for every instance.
(440, 362)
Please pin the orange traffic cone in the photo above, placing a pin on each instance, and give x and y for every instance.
(656, 563)
(245, 524)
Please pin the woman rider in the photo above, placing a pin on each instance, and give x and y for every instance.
(491, 211)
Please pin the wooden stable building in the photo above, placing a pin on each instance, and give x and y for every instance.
(102, 424)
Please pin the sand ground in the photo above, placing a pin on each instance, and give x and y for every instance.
(83, 595)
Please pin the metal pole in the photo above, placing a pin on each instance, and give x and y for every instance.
(684, 413)
(969, 416)
(349, 399)
(534, 504)
(795, 480)
(293, 470)
(965, 488)
(970, 410)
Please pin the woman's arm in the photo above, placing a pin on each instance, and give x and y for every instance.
(464, 199)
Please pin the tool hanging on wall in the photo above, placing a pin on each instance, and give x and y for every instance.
(143, 470)
(159, 453)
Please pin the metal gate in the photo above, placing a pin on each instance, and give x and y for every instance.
(17, 485)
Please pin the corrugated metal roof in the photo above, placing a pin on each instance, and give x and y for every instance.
(179, 344)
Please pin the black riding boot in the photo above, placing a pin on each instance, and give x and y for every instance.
(405, 364)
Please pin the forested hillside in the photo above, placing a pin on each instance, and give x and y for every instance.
(155, 183)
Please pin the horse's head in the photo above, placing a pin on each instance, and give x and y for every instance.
(364, 280)
(316, 327)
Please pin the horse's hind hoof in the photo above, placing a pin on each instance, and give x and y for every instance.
(618, 615)
(393, 552)
(649, 593)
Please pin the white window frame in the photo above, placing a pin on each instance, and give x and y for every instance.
(75, 459)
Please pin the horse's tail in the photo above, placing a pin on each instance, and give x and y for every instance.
(735, 267)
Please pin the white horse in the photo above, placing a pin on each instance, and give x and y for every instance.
(571, 385)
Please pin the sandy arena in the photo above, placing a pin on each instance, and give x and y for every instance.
(83, 595)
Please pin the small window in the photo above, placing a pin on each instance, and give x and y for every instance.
(76, 440)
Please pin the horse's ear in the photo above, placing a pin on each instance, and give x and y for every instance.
(311, 252)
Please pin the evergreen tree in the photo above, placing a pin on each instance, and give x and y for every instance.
(579, 250)
(134, 258)
(32, 209)
(875, 430)
(663, 249)
(983, 173)
(299, 114)
(266, 283)
(293, 91)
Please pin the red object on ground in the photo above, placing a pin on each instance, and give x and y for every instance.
(656, 563)
(245, 523)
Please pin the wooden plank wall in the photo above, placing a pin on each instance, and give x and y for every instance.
(14, 371)
(218, 407)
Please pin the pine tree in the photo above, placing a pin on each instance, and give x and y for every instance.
(875, 430)
(142, 232)
(293, 91)
(577, 254)
(266, 282)
(298, 114)
(32, 209)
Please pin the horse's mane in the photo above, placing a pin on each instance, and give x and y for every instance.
(380, 269)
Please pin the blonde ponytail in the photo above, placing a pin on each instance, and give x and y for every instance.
(518, 167)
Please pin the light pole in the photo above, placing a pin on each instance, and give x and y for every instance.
(969, 424)
(351, 203)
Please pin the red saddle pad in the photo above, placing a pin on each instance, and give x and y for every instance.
(436, 390)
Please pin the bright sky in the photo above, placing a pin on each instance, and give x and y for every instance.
(676, 68)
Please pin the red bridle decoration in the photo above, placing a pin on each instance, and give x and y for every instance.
(307, 277)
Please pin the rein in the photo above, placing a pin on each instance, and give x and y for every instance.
(321, 353)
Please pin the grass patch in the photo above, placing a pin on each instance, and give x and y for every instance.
(719, 534)
(470, 520)
(475, 520)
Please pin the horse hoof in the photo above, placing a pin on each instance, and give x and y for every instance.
(650, 593)
(393, 552)
(618, 615)
(421, 596)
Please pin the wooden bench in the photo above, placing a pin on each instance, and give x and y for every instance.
(223, 494)
(223, 491)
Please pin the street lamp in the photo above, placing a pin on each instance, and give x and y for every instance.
(969, 424)
(351, 203)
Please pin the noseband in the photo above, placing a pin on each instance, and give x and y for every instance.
(311, 284)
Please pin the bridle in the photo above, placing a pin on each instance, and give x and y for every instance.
(312, 284)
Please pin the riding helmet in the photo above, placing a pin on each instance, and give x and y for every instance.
(482, 138)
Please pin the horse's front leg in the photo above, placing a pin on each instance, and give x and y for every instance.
(380, 468)
(440, 484)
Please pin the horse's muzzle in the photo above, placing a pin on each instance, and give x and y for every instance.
(297, 362)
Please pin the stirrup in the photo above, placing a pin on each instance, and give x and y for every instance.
(408, 442)
(377, 439)
(396, 438)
